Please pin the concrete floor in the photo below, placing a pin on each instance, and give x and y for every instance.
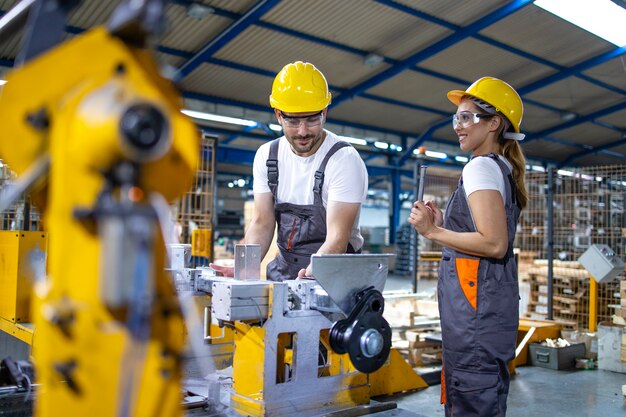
(534, 391)
(542, 392)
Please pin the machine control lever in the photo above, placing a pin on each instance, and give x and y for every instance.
(365, 334)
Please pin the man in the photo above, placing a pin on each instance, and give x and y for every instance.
(308, 182)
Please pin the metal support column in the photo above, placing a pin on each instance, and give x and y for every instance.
(549, 237)
(394, 199)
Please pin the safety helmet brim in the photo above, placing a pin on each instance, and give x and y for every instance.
(498, 94)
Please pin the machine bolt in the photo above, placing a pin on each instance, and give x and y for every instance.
(371, 343)
(144, 126)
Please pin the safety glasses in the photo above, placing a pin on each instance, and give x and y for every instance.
(309, 121)
(466, 119)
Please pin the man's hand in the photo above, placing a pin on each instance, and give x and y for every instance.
(227, 271)
(306, 273)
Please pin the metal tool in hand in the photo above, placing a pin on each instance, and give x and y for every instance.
(420, 187)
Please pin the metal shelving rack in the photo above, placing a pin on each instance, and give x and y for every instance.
(194, 212)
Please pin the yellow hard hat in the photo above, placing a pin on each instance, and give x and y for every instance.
(300, 88)
(498, 94)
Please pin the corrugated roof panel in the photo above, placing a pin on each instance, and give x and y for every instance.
(237, 6)
(460, 13)
(171, 60)
(10, 47)
(361, 110)
(537, 118)
(189, 34)
(612, 72)
(617, 119)
(542, 150)
(583, 132)
(271, 50)
(413, 87)
(576, 95)
(365, 25)
(541, 33)
(471, 59)
(7, 4)
(92, 13)
(228, 83)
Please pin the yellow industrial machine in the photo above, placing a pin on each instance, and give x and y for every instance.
(97, 135)
(307, 347)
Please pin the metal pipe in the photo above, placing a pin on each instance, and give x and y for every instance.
(24, 182)
(420, 189)
(419, 170)
(15, 19)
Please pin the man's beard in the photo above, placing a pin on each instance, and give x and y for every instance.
(300, 148)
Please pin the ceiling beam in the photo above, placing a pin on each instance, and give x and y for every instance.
(425, 16)
(234, 30)
(490, 41)
(433, 49)
(577, 121)
(592, 151)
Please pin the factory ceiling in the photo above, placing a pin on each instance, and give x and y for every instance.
(389, 64)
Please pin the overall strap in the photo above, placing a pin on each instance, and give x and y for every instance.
(514, 201)
(505, 171)
(319, 174)
(272, 167)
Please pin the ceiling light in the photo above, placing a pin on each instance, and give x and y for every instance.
(381, 145)
(355, 141)
(217, 118)
(538, 168)
(565, 173)
(461, 158)
(433, 154)
(567, 116)
(371, 60)
(603, 18)
(199, 11)
(275, 127)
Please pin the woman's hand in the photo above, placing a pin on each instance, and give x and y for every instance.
(438, 215)
(424, 219)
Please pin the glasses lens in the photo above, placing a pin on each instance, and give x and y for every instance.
(309, 121)
(464, 119)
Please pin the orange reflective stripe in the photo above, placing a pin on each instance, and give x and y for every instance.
(293, 229)
(467, 270)
(442, 400)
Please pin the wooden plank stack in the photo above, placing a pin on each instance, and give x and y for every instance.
(570, 292)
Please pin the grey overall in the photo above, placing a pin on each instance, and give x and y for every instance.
(478, 306)
(301, 228)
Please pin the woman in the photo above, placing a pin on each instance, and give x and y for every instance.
(477, 288)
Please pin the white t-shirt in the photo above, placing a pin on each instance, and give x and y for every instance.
(483, 173)
(345, 177)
